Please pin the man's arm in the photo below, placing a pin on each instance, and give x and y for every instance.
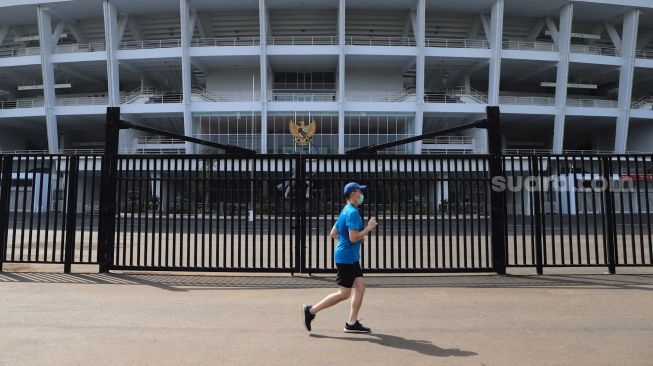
(334, 232)
(355, 236)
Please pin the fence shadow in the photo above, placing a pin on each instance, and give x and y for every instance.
(420, 346)
(174, 282)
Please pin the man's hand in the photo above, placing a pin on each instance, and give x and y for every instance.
(371, 225)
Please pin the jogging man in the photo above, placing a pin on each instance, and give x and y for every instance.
(350, 233)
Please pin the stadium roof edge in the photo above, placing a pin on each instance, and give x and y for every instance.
(9, 3)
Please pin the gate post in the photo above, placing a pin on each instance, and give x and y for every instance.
(537, 212)
(108, 183)
(5, 188)
(300, 211)
(608, 214)
(71, 212)
(497, 198)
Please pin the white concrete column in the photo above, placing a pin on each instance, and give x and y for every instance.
(420, 37)
(112, 39)
(47, 71)
(186, 37)
(263, 31)
(496, 40)
(562, 76)
(626, 73)
(342, 10)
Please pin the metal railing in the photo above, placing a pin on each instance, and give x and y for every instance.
(530, 46)
(594, 50)
(80, 47)
(380, 96)
(645, 53)
(151, 96)
(283, 86)
(303, 97)
(456, 43)
(238, 96)
(645, 102)
(449, 140)
(80, 101)
(303, 40)
(157, 140)
(150, 44)
(23, 103)
(456, 95)
(18, 52)
(520, 100)
(225, 41)
(591, 103)
(379, 41)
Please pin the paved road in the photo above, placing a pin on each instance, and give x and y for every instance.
(151, 319)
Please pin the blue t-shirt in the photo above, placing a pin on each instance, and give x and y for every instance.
(349, 219)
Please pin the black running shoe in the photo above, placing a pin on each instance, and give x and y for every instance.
(308, 317)
(356, 328)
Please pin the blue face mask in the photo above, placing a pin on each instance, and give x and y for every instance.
(360, 199)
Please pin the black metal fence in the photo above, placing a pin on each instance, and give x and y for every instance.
(273, 213)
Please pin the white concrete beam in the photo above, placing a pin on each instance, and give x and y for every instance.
(193, 22)
(496, 38)
(553, 29)
(341, 76)
(112, 40)
(562, 75)
(614, 35)
(264, 29)
(186, 76)
(122, 26)
(413, 21)
(204, 24)
(472, 33)
(420, 37)
(3, 33)
(486, 25)
(58, 31)
(626, 74)
(135, 30)
(77, 33)
(47, 70)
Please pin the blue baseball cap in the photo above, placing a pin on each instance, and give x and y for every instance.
(352, 186)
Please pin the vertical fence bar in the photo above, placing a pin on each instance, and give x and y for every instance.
(108, 184)
(5, 188)
(71, 212)
(300, 218)
(608, 213)
(497, 212)
(537, 211)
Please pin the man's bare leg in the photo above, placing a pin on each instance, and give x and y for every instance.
(332, 299)
(357, 299)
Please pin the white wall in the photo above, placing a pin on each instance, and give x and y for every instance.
(373, 80)
(220, 80)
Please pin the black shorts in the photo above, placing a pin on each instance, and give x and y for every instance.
(347, 273)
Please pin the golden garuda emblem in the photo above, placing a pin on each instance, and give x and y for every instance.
(301, 133)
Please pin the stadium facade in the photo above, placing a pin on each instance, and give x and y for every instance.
(568, 75)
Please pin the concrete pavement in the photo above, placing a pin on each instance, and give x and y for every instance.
(166, 319)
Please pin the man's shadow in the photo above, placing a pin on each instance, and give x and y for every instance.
(423, 347)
